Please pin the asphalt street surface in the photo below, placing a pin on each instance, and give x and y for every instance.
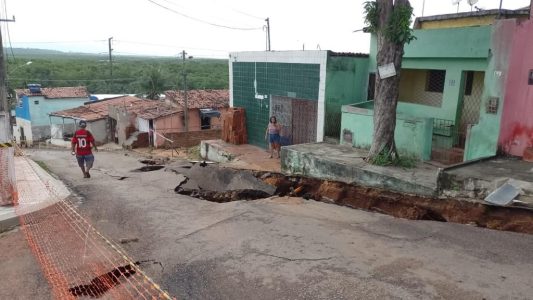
(276, 248)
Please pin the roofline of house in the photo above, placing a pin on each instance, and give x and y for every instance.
(347, 54)
(103, 100)
(75, 118)
(482, 13)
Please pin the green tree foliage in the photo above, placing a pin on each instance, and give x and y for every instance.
(389, 21)
(153, 84)
(130, 74)
(398, 26)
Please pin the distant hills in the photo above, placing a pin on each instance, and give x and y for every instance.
(35, 53)
(43, 53)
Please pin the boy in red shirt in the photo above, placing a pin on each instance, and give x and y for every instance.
(82, 143)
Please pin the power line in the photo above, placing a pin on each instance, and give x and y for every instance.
(203, 21)
(60, 42)
(169, 46)
(225, 6)
(247, 14)
(8, 33)
(54, 80)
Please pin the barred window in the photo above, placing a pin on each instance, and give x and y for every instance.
(435, 81)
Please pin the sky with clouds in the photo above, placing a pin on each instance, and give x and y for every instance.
(204, 28)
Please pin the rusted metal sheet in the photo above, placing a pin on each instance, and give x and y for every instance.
(304, 117)
(281, 108)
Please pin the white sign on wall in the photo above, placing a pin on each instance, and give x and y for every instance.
(386, 71)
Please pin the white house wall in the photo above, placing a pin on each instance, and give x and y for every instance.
(26, 124)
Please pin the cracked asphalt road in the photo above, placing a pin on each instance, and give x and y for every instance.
(288, 248)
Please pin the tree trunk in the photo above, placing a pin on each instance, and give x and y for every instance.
(387, 90)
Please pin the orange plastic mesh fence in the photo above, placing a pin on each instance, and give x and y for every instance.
(76, 259)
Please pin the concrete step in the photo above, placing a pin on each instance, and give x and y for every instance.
(447, 156)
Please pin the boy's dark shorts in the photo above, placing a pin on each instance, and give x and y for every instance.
(85, 160)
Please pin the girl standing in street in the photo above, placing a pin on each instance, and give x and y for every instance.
(273, 135)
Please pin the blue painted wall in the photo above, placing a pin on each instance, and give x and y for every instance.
(37, 108)
(23, 109)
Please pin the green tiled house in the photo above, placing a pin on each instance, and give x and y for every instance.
(303, 89)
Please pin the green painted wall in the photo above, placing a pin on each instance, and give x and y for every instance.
(481, 48)
(483, 138)
(412, 135)
(273, 79)
(430, 58)
(461, 42)
(346, 78)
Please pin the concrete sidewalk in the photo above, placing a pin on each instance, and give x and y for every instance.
(36, 189)
(347, 164)
(239, 156)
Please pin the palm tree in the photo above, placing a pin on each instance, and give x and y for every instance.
(153, 84)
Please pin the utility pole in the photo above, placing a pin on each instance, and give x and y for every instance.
(7, 164)
(109, 40)
(268, 33)
(186, 102)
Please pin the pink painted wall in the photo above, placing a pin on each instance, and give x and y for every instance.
(174, 123)
(516, 132)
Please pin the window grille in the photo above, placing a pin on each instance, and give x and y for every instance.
(435, 81)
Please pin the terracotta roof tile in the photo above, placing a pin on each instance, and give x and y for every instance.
(199, 98)
(92, 111)
(57, 92)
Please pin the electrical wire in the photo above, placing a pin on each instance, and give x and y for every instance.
(8, 33)
(61, 42)
(170, 46)
(225, 6)
(203, 21)
(91, 80)
(247, 14)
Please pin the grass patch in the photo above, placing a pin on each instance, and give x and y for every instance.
(404, 161)
(44, 166)
(193, 153)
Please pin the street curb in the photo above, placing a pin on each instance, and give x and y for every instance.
(10, 222)
(9, 217)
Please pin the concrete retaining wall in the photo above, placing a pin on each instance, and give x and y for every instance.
(297, 162)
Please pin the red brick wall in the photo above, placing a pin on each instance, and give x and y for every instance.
(193, 138)
(142, 141)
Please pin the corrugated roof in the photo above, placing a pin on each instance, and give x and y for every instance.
(57, 92)
(92, 111)
(199, 98)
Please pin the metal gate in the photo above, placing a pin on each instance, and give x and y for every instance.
(281, 108)
(304, 117)
(297, 117)
(471, 104)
